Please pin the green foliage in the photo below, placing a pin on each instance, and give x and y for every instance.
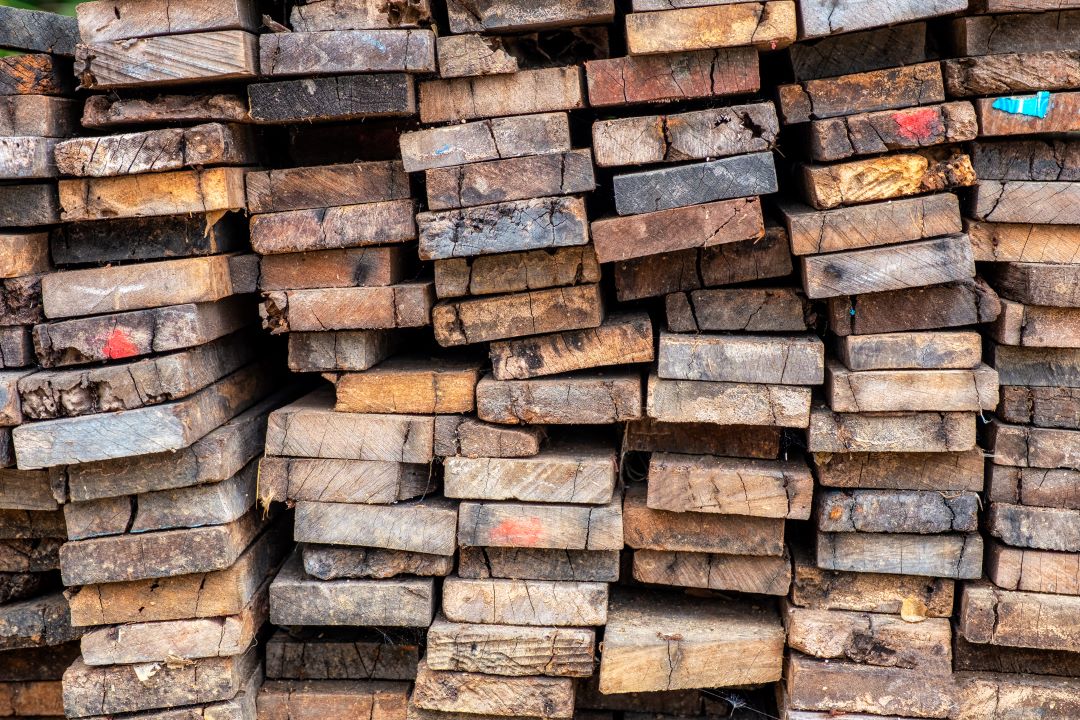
(58, 6)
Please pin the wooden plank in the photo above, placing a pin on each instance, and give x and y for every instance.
(646, 528)
(348, 308)
(925, 308)
(242, 706)
(883, 131)
(472, 438)
(31, 489)
(533, 224)
(1017, 619)
(515, 272)
(919, 512)
(23, 253)
(727, 403)
(1023, 446)
(713, 644)
(158, 642)
(204, 680)
(1052, 407)
(538, 564)
(696, 226)
(1034, 571)
(317, 15)
(738, 262)
(1026, 159)
(765, 359)
(157, 238)
(694, 184)
(336, 52)
(306, 657)
(706, 571)
(509, 650)
(341, 97)
(954, 556)
(296, 599)
(170, 426)
(1012, 72)
(175, 552)
(648, 435)
(29, 205)
(973, 657)
(886, 177)
(728, 486)
(622, 338)
(1037, 326)
(520, 15)
(672, 76)
(331, 562)
(36, 622)
(869, 391)
(426, 526)
(486, 139)
(167, 60)
(174, 193)
(572, 473)
(131, 334)
(285, 699)
(521, 93)
(836, 687)
(340, 481)
(100, 21)
(70, 393)
(859, 93)
(492, 696)
(501, 181)
(36, 31)
(1018, 201)
(1041, 528)
(831, 432)
(525, 602)
(35, 74)
(763, 25)
(410, 384)
(910, 350)
(218, 456)
(533, 525)
(316, 187)
(819, 18)
(28, 524)
(309, 427)
(1060, 117)
(678, 137)
(181, 597)
(342, 350)
(349, 267)
(16, 347)
(822, 589)
(1037, 283)
(855, 52)
(106, 111)
(27, 158)
(475, 320)
(1043, 487)
(1036, 367)
(326, 228)
(948, 472)
(576, 399)
(870, 638)
(1019, 33)
(156, 151)
(20, 300)
(751, 309)
(1022, 242)
(37, 115)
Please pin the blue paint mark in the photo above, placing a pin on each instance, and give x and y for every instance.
(444, 150)
(852, 311)
(1035, 105)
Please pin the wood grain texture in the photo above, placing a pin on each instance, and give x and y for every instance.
(572, 399)
(877, 132)
(890, 432)
(323, 186)
(993, 616)
(403, 305)
(174, 193)
(167, 60)
(1037, 283)
(347, 267)
(410, 384)
(926, 308)
(676, 76)
(525, 602)
(340, 97)
(897, 511)
(645, 632)
(27, 158)
(510, 651)
(1060, 117)
(727, 403)
(319, 15)
(1016, 33)
(1032, 447)
(694, 184)
(307, 657)
(23, 254)
(955, 556)
(764, 359)
(521, 93)
(1011, 72)
(491, 695)
(910, 350)
(872, 391)
(855, 52)
(519, 15)
(333, 562)
(35, 74)
(37, 622)
(867, 92)
(333, 52)
(473, 438)
(707, 571)
(155, 238)
(1036, 571)
(340, 350)
(328, 228)
(483, 319)
(340, 481)
(35, 31)
(101, 20)
(283, 699)
(821, 17)
(426, 526)
(752, 309)
(29, 205)
(1052, 407)
(763, 25)
(539, 526)
(886, 177)
(1035, 527)
(538, 564)
(945, 471)
(1036, 367)
(570, 473)
(515, 272)
(486, 139)
(499, 181)
(106, 111)
(37, 116)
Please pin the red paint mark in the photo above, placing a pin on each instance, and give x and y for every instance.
(518, 532)
(118, 346)
(917, 124)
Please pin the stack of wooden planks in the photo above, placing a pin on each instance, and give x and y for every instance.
(1020, 71)
(37, 640)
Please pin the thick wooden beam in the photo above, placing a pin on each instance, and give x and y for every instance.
(37, 116)
(348, 308)
(573, 399)
(1053, 407)
(340, 97)
(332, 562)
(334, 52)
(37, 31)
(492, 695)
(886, 177)
(35, 74)
(727, 403)
(855, 52)
(672, 76)
(867, 92)
(955, 556)
(759, 575)
(515, 272)
(1017, 33)
(1012, 72)
(870, 391)
(989, 615)
(174, 193)
(340, 350)
(521, 93)
(472, 438)
(410, 384)
(819, 17)
(751, 309)
(694, 183)
(764, 359)
(1038, 283)
(1024, 446)
(536, 312)
(944, 471)
(285, 699)
(569, 473)
(525, 602)
(101, 20)
(106, 111)
(510, 650)
(921, 512)
(486, 139)
(922, 308)
(500, 181)
(1034, 571)
(910, 350)
(340, 226)
(317, 15)
(168, 60)
(832, 432)
(521, 15)
(535, 525)
(102, 242)
(340, 481)
(538, 564)
(310, 657)
(427, 525)
(888, 130)
(764, 25)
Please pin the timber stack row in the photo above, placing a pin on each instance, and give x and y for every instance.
(618, 360)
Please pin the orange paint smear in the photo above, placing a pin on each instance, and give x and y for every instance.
(524, 532)
(118, 346)
(917, 124)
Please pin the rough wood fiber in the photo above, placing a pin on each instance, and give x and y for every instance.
(886, 177)
(331, 562)
(340, 481)
(1052, 407)
(897, 511)
(167, 60)
(106, 111)
(944, 471)
(910, 350)
(520, 15)
(1036, 571)
(950, 556)
(35, 74)
(326, 186)
(341, 97)
(103, 20)
(510, 650)
(293, 700)
(1012, 72)
(174, 193)
(533, 525)
(463, 322)
(870, 391)
(348, 308)
(342, 350)
(317, 15)
(764, 359)
(1038, 283)
(848, 53)
(409, 384)
(425, 526)
(157, 238)
(708, 571)
(471, 438)
(1018, 619)
(312, 658)
(573, 399)
(491, 695)
(675, 76)
(727, 403)
(521, 93)
(831, 432)
(37, 115)
(1018, 33)
(487, 139)
(538, 564)
(694, 184)
(905, 129)
(36, 31)
(346, 51)
(516, 272)
(926, 308)
(500, 181)
(822, 17)
(764, 25)
(751, 309)
(525, 602)
(890, 89)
